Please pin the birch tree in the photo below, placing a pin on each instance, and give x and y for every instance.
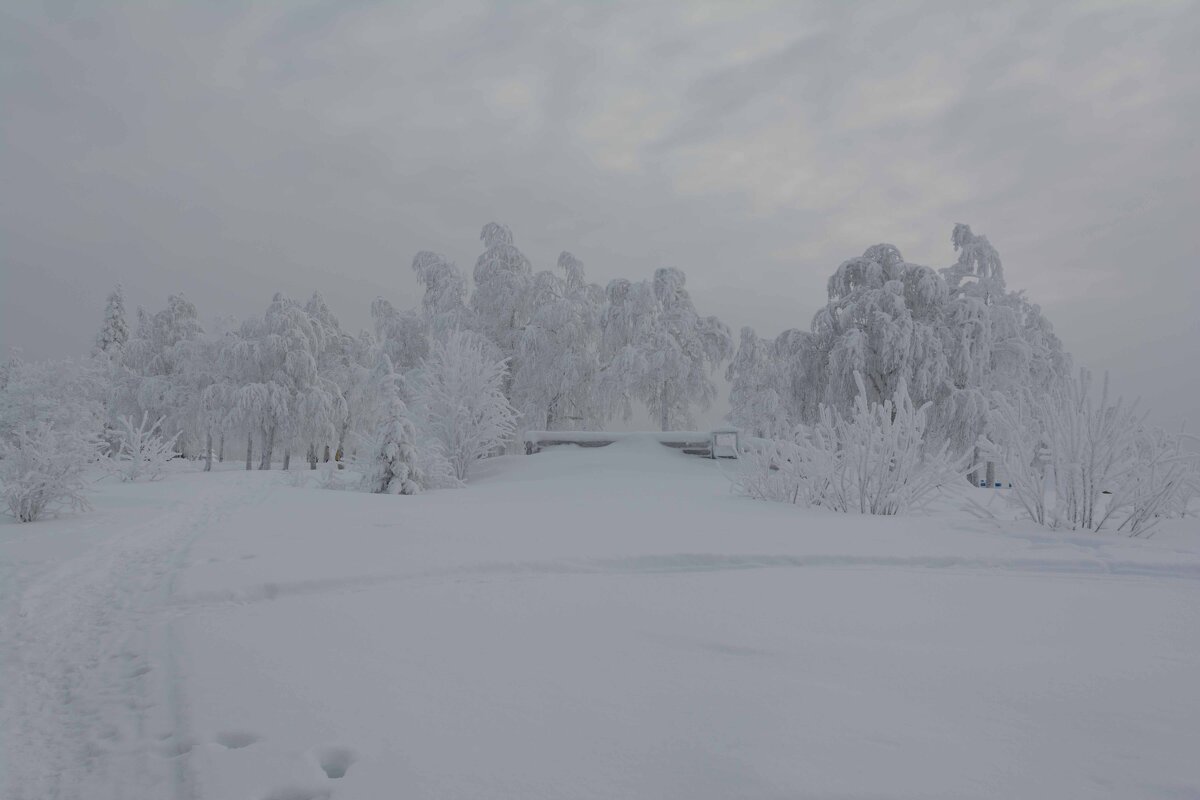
(558, 356)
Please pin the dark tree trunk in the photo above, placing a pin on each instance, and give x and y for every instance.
(208, 453)
(665, 416)
(268, 447)
(249, 448)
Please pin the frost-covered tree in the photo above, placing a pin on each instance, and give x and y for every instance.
(462, 399)
(629, 314)
(280, 379)
(798, 366)
(955, 337)
(401, 334)
(323, 411)
(260, 407)
(444, 304)
(502, 298)
(253, 390)
(978, 270)
(42, 469)
(219, 410)
(754, 376)
(393, 466)
(558, 355)
(198, 367)
(114, 332)
(881, 323)
(691, 348)
(996, 341)
(659, 350)
(67, 395)
(153, 376)
(368, 383)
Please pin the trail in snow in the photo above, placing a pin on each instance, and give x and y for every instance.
(89, 696)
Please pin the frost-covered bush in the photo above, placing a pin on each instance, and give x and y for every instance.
(1018, 447)
(1160, 483)
(436, 470)
(786, 471)
(462, 397)
(142, 451)
(392, 467)
(42, 469)
(872, 461)
(1078, 461)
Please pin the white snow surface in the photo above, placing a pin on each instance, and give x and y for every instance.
(585, 623)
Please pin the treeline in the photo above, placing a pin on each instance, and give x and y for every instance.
(937, 363)
(292, 383)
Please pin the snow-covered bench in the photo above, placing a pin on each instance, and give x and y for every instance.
(698, 443)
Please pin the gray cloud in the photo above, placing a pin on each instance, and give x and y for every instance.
(231, 152)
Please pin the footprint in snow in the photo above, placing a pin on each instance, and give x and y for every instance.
(236, 740)
(335, 761)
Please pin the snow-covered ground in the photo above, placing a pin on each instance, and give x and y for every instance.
(585, 623)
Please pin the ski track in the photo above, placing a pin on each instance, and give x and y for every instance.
(668, 563)
(88, 716)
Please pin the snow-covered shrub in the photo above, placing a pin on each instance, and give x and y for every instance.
(436, 470)
(392, 466)
(870, 462)
(142, 451)
(1018, 446)
(1081, 462)
(331, 476)
(787, 471)
(1160, 483)
(462, 396)
(42, 469)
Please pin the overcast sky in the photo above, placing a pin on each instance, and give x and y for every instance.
(228, 152)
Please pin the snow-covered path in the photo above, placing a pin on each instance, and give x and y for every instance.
(88, 652)
(591, 624)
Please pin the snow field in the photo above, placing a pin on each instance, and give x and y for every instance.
(589, 623)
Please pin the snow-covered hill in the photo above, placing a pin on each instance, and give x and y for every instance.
(585, 623)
